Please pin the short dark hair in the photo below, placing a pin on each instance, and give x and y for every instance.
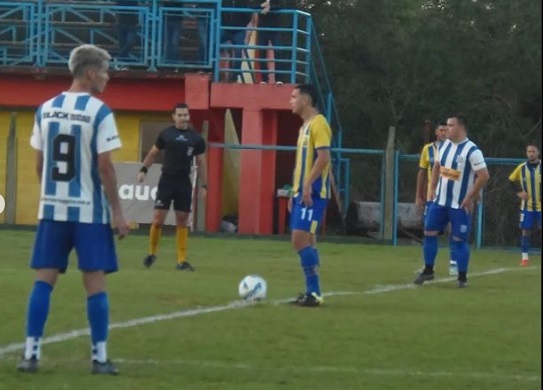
(441, 124)
(180, 105)
(461, 119)
(532, 144)
(309, 90)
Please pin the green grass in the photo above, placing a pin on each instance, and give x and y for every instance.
(487, 336)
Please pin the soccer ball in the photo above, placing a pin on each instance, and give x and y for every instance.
(253, 288)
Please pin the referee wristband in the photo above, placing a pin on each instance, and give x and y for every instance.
(144, 169)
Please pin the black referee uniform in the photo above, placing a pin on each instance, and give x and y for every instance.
(179, 146)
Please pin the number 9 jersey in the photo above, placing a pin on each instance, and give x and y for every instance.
(71, 130)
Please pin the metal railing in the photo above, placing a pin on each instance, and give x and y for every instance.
(175, 36)
(42, 33)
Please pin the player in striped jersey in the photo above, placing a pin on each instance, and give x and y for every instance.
(428, 156)
(74, 134)
(458, 176)
(311, 188)
(526, 180)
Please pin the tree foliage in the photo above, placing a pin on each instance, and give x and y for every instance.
(399, 62)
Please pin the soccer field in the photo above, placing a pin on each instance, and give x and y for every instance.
(175, 330)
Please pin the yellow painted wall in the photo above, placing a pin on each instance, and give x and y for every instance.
(129, 130)
(27, 183)
(28, 186)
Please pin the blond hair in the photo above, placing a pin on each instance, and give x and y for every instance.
(85, 56)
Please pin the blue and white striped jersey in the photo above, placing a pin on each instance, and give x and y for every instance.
(71, 130)
(459, 162)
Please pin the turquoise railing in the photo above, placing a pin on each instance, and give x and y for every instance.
(41, 34)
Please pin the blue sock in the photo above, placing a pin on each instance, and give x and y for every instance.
(525, 242)
(98, 316)
(309, 260)
(461, 255)
(38, 308)
(317, 255)
(429, 248)
(451, 249)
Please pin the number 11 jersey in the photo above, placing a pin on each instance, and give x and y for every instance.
(71, 130)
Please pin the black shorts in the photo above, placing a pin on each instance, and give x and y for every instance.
(174, 188)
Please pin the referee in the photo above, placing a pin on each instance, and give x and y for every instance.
(180, 143)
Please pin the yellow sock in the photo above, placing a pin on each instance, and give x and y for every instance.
(182, 237)
(154, 238)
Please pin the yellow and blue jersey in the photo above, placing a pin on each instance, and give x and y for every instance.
(315, 134)
(529, 177)
(429, 154)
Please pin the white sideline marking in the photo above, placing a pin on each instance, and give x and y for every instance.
(232, 305)
(332, 369)
(216, 364)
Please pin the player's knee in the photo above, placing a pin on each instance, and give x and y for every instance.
(431, 233)
(47, 275)
(455, 238)
(181, 220)
(94, 282)
(300, 240)
(526, 233)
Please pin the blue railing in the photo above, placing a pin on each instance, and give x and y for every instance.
(41, 34)
(19, 32)
(292, 55)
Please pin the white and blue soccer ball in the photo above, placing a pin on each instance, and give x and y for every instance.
(253, 288)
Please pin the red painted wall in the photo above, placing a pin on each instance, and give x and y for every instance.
(122, 93)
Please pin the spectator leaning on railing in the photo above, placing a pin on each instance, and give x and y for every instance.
(127, 28)
(237, 36)
(269, 19)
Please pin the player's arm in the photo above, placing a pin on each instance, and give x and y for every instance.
(482, 176)
(420, 196)
(107, 141)
(323, 159)
(435, 179)
(323, 140)
(39, 164)
(109, 182)
(147, 162)
(36, 142)
(422, 179)
(514, 180)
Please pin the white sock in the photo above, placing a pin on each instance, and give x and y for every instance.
(33, 347)
(99, 352)
(452, 263)
(524, 256)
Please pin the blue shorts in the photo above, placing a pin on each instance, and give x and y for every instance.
(426, 208)
(438, 217)
(428, 204)
(307, 218)
(93, 243)
(530, 219)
